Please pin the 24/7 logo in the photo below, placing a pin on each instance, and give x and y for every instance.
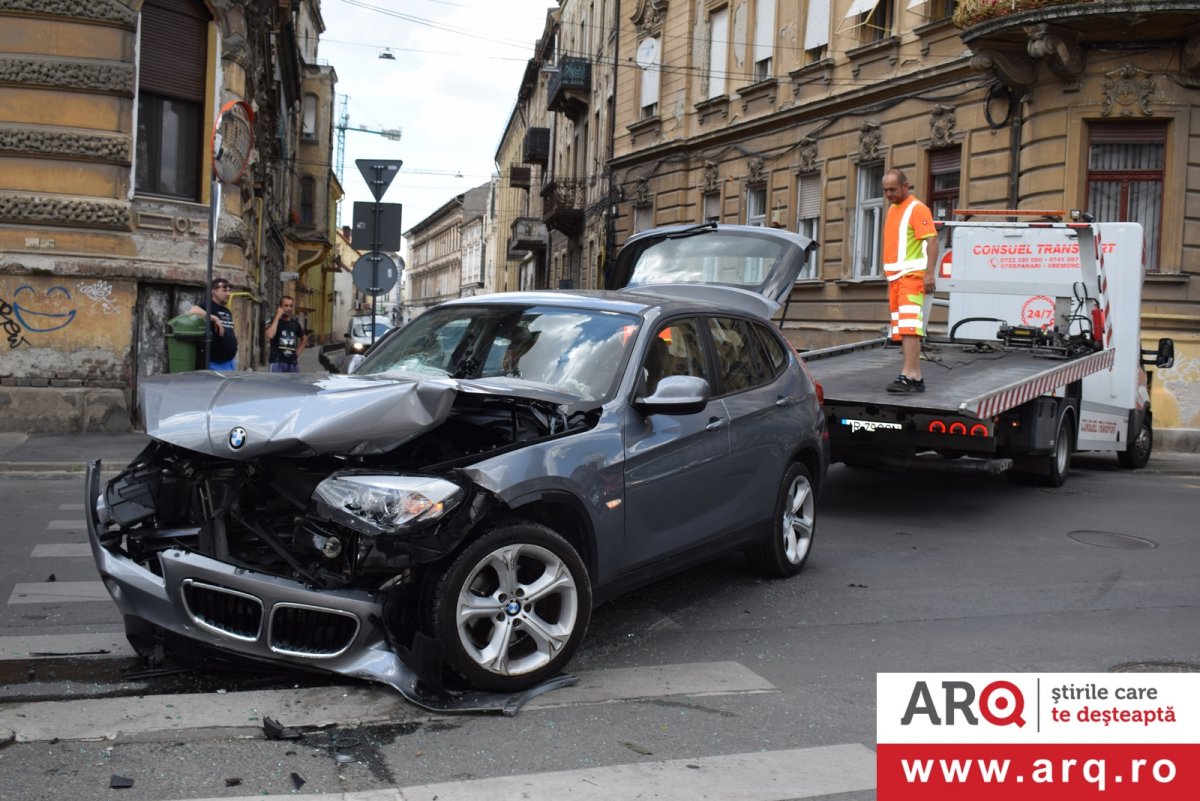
(1001, 703)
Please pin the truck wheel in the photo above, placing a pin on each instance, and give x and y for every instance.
(785, 550)
(1137, 455)
(1059, 460)
(511, 609)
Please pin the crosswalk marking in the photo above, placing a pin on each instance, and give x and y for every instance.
(59, 592)
(51, 549)
(106, 718)
(761, 776)
(87, 644)
(67, 525)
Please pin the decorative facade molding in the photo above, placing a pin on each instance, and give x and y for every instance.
(233, 232)
(807, 155)
(756, 171)
(1127, 87)
(1191, 55)
(870, 141)
(112, 77)
(61, 211)
(40, 142)
(941, 126)
(648, 17)
(92, 10)
(641, 193)
(1015, 70)
(1060, 49)
(712, 177)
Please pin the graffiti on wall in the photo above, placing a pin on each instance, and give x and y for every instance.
(49, 312)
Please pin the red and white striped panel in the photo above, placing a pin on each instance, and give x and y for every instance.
(1013, 396)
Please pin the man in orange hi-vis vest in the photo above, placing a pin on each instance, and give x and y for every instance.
(910, 249)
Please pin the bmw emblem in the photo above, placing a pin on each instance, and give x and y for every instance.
(513, 607)
(237, 438)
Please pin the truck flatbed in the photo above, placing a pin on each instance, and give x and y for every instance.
(979, 379)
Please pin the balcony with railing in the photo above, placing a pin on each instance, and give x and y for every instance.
(563, 204)
(528, 233)
(536, 148)
(569, 89)
(1011, 38)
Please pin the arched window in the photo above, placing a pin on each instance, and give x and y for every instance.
(172, 81)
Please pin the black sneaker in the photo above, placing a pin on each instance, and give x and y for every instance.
(905, 384)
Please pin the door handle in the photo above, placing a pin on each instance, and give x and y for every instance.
(786, 400)
(717, 423)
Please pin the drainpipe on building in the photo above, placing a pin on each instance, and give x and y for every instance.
(1016, 101)
(610, 209)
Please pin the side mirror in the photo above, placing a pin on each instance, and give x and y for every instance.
(1165, 357)
(676, 394)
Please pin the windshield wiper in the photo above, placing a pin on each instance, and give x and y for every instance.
(702, 228)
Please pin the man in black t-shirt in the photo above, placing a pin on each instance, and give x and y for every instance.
(222, 353)
(287, 338)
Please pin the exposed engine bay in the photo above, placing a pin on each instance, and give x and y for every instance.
(263, 513)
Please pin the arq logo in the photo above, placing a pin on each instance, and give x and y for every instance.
(1000, 704)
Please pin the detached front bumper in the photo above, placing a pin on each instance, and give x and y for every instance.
(266, 618)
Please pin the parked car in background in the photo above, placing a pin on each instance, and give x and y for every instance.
(448, 516)
(359, 331)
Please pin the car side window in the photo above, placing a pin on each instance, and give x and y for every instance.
(776, 355)
(675, 349)
(741, 358)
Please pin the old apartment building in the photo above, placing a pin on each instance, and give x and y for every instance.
(106, 114)
(645, 113)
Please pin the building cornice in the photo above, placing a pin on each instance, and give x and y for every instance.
(92, 76)
(59, 143)
(74, 212)
(103, 11)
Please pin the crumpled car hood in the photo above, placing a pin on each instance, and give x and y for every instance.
(248, 415)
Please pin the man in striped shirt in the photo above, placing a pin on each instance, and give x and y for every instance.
(910, 249)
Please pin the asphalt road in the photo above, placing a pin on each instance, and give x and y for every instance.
(769, 684)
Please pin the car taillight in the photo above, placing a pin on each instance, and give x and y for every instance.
(820, 392)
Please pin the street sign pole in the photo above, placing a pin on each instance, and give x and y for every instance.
(378, 173)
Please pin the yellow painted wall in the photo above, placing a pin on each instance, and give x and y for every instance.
(65, 314)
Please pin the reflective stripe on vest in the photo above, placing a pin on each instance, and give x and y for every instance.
(895, 269)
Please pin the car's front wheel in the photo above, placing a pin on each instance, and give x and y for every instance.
(786, 550)
(512, 608)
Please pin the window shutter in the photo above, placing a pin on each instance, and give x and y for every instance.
(943, 161)
(809, 196)
(816, 29)
(712, 206)
(650, 79)
(1127, 133)
(174, 49)
(764, 30)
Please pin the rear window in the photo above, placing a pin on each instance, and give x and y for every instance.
(709, 258)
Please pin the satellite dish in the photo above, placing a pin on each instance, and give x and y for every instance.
(647, 53)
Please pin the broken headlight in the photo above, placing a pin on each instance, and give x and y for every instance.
(376, 504)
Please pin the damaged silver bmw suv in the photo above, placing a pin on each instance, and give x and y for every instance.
(445, 519)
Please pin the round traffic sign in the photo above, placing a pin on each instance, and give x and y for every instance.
(375, 273)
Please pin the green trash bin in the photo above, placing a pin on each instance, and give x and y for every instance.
(185, 342)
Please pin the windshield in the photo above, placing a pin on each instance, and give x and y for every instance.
(573, 350)
(708, 258)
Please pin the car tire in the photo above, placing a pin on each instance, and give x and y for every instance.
(784, 552)
(511, 609)
(1138, 454)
